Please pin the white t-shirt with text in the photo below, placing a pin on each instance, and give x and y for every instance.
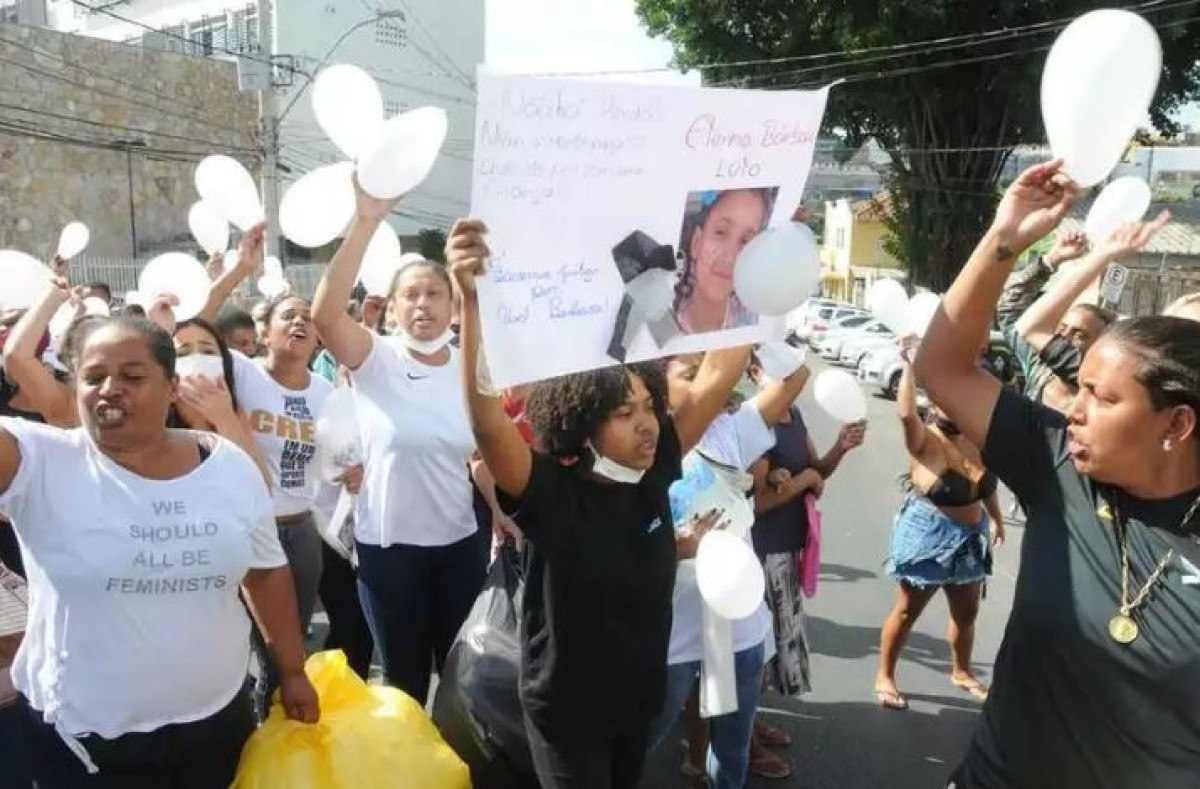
(134, 617)
(418, 443)
(284, 423)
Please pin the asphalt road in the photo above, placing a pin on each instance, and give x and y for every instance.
(843, 738)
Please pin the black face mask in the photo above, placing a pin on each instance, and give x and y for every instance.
(948, 428)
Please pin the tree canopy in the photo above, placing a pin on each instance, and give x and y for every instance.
(947, 86)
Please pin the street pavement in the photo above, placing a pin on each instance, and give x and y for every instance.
(843, 738)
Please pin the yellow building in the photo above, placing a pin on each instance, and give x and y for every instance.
(853, 254)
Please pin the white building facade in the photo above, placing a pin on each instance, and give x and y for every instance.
(421, 52)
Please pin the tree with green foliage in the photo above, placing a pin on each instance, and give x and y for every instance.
(948, 103)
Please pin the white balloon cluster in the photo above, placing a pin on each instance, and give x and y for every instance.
(26, 278)
(888, 301)
(389, 157)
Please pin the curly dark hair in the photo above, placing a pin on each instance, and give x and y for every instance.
(567, 411)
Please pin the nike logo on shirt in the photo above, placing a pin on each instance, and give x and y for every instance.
(412, 377)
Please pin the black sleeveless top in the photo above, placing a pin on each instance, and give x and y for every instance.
(785, 528)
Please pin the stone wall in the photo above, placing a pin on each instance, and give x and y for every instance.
(79, 116)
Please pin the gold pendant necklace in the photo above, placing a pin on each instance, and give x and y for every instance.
(1123, 628)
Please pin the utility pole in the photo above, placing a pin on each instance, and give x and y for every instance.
(269, 129)
(128, 146)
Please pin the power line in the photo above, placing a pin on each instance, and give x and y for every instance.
(466, 78)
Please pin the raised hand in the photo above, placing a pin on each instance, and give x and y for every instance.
(1033, 206)
(851, 435)
(210, 398)
(250, 248)
(1067, 247)
(467, 253)
(1131, 237)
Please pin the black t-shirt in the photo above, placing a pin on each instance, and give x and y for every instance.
(1070, 707)
(784, 529)
(596, 617)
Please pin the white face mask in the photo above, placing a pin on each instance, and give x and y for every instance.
(204, 364)
(427, 347)
(614, 471)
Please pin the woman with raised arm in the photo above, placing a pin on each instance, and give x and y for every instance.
(422, 557)
(137, 538)
(941, 539)
(1096, 682)
(593, 506)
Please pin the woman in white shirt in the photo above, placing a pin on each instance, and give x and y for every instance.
(137, 538)
(281, 399)
(421, 556)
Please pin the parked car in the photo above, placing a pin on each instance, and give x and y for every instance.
(807, 312)
(849, 320)
(834, 339)
(855, 349)
(826, 316)
(881, 367)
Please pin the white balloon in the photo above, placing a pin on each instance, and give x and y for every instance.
(61, 320)
(224, 183)
(209, 227)
(888, 302)
(271, 286)
(136, 298)
(349, 108)
(73, 240)
(272, 267)
(1097, 84)
(919, 313)
(317, 208)
(778, 269)
(1124, 200)
(178, 275)
(729, 575)
(25, 279)
(381, 261)
(839, 394)
(339, 445)
(406, 152)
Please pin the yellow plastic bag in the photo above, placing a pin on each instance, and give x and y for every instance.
(369, 737)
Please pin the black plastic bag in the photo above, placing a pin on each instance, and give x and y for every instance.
(477, 706)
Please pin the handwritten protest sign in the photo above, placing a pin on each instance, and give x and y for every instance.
(616, 213)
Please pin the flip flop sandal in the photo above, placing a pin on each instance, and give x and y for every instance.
(972, 686)
(766, 764)
(772, 736)
(890, 700)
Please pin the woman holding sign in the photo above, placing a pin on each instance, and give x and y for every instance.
(137, 538)
(593, 506)
(421, 554)
(1097, 682)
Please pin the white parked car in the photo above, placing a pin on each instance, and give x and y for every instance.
(823, 316)
(881, 369)
(855, 349)
(851, 320)
(834, 339)
(806, 313)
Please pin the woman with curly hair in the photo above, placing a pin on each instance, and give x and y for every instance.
(592, 502)
(711, 243)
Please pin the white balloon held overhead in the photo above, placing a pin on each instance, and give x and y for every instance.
(179, 275)
(317, 208)
(229, 188)
(839, 394)
(1097, 85)
(778, 269)
(381, 261)
(1124, 200)
(405, 154)
(271, 286)
(729, 575)
(888, 302)
(73, 240)
(349, 108)
(209, 227)
(25, 279)
(919, 313)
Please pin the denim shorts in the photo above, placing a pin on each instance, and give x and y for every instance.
(930, 549)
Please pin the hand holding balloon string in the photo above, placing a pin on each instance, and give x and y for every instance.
(467, 253)
(1033, 206)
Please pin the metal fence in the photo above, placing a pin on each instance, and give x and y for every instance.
(121, 275)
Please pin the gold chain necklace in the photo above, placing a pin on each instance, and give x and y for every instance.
(1123, 628)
